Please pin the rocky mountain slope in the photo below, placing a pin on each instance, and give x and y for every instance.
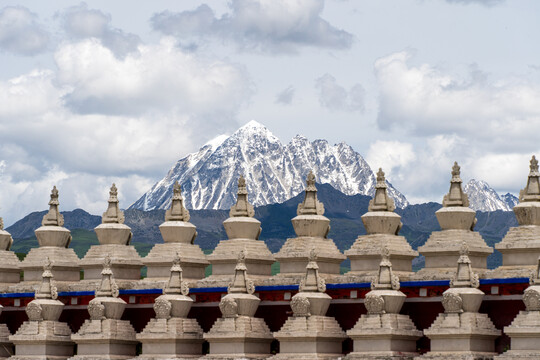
(274, 172)
(484, 198)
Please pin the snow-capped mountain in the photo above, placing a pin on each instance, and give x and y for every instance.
(274, 172)
(510, 200)
(484, 198)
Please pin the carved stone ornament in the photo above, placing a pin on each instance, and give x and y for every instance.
(311, 205)
(228, 307)
(374, 304)
(531, 298)
(96, 310)
(177, 211)
(53, 216)
(452, 303)
(250, 286)
(242, 206)
(300, 306)
(381, 201)
(33, 310)
(456, 196)
(163, 307)
(531, 192)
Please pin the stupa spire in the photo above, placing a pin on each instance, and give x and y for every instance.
(108, 287)
(53, 217)
(177, 212)
(113, 213)
(385, 279)
(176, 285)
(242, 206)
(456, 196)
(381, 201)
(532, 190)
(47, 290)
(310, 205)
(312, 282)
(1, 224)
(464, 277)
(241, 284)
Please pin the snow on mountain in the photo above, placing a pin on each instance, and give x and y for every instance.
(274, 172)
(510, 200)
(484, 198)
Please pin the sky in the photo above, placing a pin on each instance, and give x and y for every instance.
(117, 91)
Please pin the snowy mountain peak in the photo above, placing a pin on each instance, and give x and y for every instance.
(274, 172)
(484, 198)
(216, 142)
(252, 124)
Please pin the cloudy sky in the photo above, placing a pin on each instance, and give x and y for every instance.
(103, 91)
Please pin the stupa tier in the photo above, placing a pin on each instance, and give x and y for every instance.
(179, 237)
(520, 247)
(10, 266)
(171, 334)
(311, 228)
(309, 333)
(114, 242)
(105, 335)
(382, 226)
(238, 334)
(43, 336)
(243, 232)
(54, 240)
(461, 332)
(525, 328)
(384, 333)
(457, 221)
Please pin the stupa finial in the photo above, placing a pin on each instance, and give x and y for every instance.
(456, 196)
(108, 287)
(53, 217)
(113, 213)
(1, 224)
(241, 284)
(312, 282)
(176, 284)
(532, 190)
(385, 279)
(242, 206)
(464, 277)
(47, 290)
(177, 211)
(311, 205)
(381, 201)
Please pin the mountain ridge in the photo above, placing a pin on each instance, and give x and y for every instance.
(274, 172)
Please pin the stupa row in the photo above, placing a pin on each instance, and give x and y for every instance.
(520, 247)
(460, 332)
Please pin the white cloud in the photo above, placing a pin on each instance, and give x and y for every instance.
(266, 25)
(503, 171)
(80, 22)
(285, 96)
(335, 97)
(391, 156)
(425, 101)
(160, 77)
(99, 119)
(478, 2)
(20, 32)
(77, 190)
